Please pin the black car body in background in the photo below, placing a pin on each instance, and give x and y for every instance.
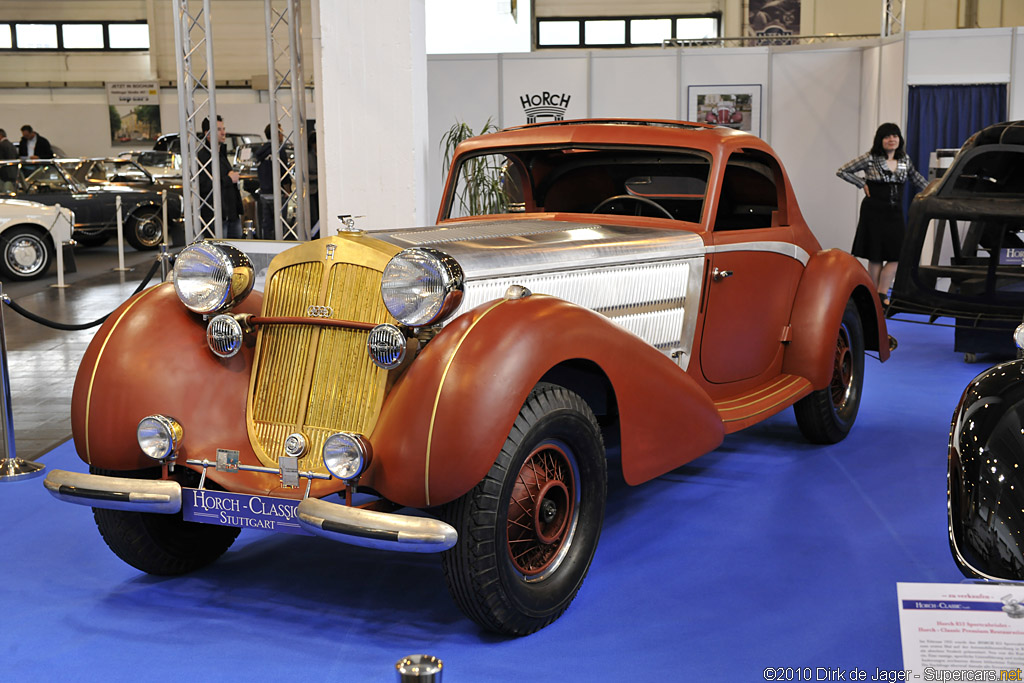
(47, 181)
(986, 475)
(963, 256)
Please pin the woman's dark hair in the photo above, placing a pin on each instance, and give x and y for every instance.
(884, 131)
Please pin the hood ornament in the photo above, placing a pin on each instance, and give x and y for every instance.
(348, 224)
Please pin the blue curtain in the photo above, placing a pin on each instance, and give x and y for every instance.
(944, 116)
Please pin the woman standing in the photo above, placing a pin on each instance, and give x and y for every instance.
(880, 229)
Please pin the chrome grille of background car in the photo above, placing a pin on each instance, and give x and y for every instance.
(314, 379)
(649, 299)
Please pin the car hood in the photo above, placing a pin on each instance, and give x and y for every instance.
(498, 249)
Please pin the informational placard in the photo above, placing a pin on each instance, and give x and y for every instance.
(962, 631)
(134, 112)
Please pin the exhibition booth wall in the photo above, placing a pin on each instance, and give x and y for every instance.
(818, 106)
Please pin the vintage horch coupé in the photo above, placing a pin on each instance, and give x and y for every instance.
(640, 287)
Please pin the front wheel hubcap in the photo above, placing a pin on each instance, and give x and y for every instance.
(542, 510)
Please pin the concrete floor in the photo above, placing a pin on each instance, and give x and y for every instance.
(42, 361)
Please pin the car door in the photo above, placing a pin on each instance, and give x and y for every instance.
(754, 272)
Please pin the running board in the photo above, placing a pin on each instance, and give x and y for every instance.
(761, 402)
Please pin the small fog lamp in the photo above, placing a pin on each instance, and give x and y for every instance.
(159, 436)
(224, 335)
(346, 455)
(386, 345)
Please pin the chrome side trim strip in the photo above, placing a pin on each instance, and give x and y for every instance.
(372, 529)
(784, 248)
(115, 493)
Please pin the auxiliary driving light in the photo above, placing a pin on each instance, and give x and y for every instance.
(159, 436)
(224, 335)
(346, 455)
(386, 345)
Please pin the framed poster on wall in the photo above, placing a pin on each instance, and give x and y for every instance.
(734, 106)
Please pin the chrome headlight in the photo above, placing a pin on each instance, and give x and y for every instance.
(422, 286)
(1018, 336)
(346, 455)
(224, 335)
(159, 436)
(211, 277)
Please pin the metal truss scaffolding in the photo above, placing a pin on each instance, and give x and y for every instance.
(892, 17)
(287, 95)
(197, 100)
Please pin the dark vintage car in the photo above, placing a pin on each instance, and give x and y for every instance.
(986, 474)
(963, 257)
(171, 142)
(632, 287)
(49, 181)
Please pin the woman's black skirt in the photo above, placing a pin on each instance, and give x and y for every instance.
(880, 228)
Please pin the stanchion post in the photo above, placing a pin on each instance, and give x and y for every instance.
(163, 209)
(120, 237)
(59, 245)
(11, 467)
(419, 669)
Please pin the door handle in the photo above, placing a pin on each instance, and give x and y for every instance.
(720, 275)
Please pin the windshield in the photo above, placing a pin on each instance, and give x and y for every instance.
(667, 184)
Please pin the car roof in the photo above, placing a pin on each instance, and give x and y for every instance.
(638, 132)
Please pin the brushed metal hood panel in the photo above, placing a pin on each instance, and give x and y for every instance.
(490, 249)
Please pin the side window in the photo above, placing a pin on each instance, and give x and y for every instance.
(43, 179)
(749, 197)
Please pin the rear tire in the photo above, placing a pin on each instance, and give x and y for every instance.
(528, 531)
(164, 545)
(827, 415)
(25, 253)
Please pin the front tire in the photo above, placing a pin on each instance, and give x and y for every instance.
(827, 415)
(528, 531)
(164, 545)
(25, 253)
(145, 230)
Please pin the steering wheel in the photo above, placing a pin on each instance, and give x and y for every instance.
(635, 198)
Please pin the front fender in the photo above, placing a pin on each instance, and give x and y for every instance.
(831, 278)
(447, 417)
(151, 356)
(986, 475)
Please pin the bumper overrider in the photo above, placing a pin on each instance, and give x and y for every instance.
(352, 525)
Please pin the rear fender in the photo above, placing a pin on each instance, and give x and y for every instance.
(831, 278)
(447, 417)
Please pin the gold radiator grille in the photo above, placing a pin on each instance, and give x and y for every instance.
(315, 379)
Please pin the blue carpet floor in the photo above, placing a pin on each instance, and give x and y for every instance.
(767, 552)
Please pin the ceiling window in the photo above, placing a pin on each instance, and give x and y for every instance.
(83, 36)
(624, 31)
(74, 35)
(129, 36)
(36, 36)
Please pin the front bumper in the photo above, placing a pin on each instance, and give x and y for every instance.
(352, 525)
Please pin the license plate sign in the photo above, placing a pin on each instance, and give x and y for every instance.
(241, 510)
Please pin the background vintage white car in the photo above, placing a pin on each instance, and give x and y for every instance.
(30, 234)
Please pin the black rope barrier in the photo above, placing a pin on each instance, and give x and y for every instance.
(17, 308)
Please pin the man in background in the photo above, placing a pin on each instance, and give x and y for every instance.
(33, 145)
(8, 172)
(230, 197)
